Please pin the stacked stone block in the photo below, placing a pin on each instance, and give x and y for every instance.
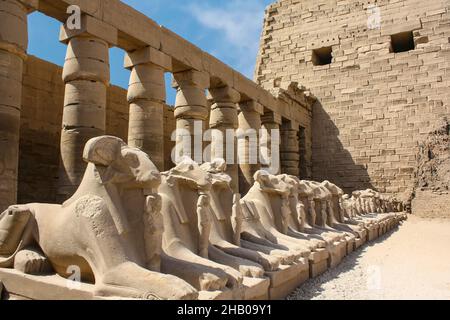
(374, 105)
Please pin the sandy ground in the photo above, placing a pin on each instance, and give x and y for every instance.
(412, 262)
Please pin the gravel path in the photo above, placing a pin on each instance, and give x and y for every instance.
(412, 262)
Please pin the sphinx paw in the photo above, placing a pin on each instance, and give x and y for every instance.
(211, 282)
(31, 261)
(286, 257)
(270, 263)
(251, 271)
(235, 278)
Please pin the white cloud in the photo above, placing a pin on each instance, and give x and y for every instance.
(240, 22)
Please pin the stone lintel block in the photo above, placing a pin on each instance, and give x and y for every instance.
(224, 94)
(271, 103)
(410, 25)
(90, 27)
(272, 117)
(136, 29)
(323, 42)
(249, 90)
(185, 55)
(191, 78)
(148, 55)
(251, 106)
(220, 73)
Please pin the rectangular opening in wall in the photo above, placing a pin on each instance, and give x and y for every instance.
(322, 56)
(402, 42)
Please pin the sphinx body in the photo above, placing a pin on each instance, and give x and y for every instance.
(309, 196)
(262, 221)
(187, 226)
(227, 218)
(100, 229)
(335, 206)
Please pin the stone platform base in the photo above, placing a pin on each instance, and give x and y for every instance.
(373, 233)
(337, 253)
(359, 242)
(288, 278)
(52, 287)
(318, 262)
(216, 295)
(351, 245)
(256, 289)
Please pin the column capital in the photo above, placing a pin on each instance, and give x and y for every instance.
(191, 78)
(251, 106)
(93, 27)
(272, 117)
(224, 94)
(148, 55)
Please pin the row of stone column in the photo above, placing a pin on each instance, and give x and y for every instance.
(13, 48)
(86, 75)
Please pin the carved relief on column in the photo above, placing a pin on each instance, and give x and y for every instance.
(290, 148)
(191, 112)
(147, 99)
(271, 122)
(224, 116)
(248, 147)
(13, 47)
(86, 74)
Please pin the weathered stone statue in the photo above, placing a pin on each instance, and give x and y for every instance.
(99, 230)
(153, 231)
(335, 241)
(255, 238)
(204, 225)
(227, 224)
(341, 223)
(185, 205)
(309, 196)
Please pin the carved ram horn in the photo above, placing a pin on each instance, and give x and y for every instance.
(102, 150)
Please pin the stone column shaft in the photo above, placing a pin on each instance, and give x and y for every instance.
(147, 99)
(86, 74)
(290, 149)
(13, 47)
(271, 121)
(191, 108)
(249, 119)
(224, 116)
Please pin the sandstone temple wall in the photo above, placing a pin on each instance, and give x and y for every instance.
(374, 105)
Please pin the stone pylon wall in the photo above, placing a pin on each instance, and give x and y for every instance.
(374, 105)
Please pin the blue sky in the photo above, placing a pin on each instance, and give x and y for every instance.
(229, 30)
